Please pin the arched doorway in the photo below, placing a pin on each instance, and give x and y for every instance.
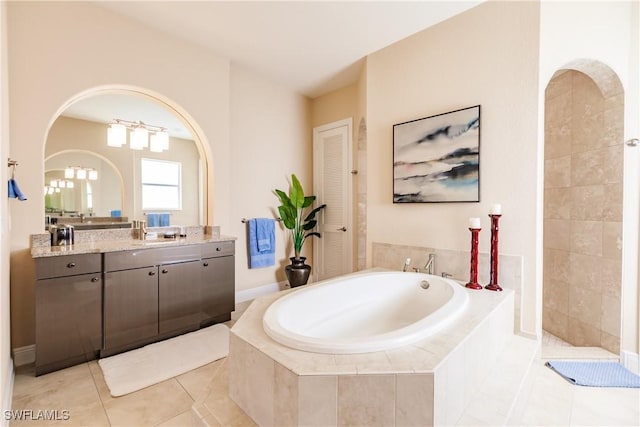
(583, 183)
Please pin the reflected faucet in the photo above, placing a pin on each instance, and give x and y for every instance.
(430, 266)
(81, 217)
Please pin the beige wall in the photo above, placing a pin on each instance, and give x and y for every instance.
(487, 56)
(68, 133)
(270, 140)
(6, 365)
(80, 46)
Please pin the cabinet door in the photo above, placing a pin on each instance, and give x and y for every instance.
(68, 321)
(179, 290)
(218, 286)
(130, 306)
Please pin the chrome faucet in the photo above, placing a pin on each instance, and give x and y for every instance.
(430, 266)
(81, 217)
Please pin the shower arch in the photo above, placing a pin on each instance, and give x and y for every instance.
(583, 178)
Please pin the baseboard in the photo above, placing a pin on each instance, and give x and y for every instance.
(253, 293)
(24, 355)
(8, 392)
(631, 361)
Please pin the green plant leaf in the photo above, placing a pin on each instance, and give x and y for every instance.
(308, 201)
(296, 193)
(309, 225)
(287, 217)
(284, 199)
(313, 213)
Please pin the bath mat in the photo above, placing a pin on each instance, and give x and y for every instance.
(154, 363)
(595, 374)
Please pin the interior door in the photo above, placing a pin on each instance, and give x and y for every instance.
(333, 252)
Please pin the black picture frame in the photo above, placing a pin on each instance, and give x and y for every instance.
(436, 159)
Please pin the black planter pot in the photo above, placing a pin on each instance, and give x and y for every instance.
(297, 272)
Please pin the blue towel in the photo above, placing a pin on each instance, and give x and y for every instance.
(14, 191)
(116, 213)
(595, 374)
(153, 220)
(165, 219)
(262, 242)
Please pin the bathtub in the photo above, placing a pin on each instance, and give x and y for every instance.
(364, 312)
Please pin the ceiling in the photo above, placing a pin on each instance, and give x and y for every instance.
(311, 47)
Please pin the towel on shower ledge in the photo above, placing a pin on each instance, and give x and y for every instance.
(262, 246)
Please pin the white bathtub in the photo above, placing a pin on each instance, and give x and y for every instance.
(365, 312)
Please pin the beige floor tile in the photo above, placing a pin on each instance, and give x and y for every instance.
(198, 381)
(90, 415)
(150, 406)
(69, 396)
(205, 415)
(185, 419)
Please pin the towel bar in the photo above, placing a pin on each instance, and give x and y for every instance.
(244, 220)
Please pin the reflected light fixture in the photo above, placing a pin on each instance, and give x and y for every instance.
(80, 172)
(141, 135)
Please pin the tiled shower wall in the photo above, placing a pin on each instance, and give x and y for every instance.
(583, 211)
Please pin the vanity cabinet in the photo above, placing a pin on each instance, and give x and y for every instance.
(152, 294)
(217, 281)
(130, 306)
(179, 289)
(68, 310)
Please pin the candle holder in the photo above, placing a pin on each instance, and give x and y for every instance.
(493, 277)
(473, 274)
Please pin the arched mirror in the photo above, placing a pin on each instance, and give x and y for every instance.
(135, 179)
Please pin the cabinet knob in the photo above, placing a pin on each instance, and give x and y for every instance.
(71, 265)
(206, 264)
(152, 273)
(165, 271)
(94, 279)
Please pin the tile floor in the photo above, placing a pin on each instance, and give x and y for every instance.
(200, 397)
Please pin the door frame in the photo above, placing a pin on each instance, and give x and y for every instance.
(349, 173)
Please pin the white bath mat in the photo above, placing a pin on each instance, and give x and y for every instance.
(154, 363)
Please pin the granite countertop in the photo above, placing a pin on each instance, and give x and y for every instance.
(123, 245)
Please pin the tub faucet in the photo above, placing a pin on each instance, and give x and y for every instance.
(407, 262)
(430, 266)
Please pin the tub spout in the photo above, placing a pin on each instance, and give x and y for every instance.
(430, 266)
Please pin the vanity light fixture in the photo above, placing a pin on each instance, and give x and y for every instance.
(141, 135)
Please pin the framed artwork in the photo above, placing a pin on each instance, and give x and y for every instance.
(437, 159)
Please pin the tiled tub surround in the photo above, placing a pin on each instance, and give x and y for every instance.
(456, 263)
(428, 383)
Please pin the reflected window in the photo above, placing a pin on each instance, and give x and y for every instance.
(161, 184)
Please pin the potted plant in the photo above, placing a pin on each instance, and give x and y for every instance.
(298, 216)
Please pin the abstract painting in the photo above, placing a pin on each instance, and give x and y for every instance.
(437, 158)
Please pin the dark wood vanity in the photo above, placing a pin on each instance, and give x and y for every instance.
(91, 305)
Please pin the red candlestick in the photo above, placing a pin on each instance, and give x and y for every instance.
(473, 276)
(493, 278)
